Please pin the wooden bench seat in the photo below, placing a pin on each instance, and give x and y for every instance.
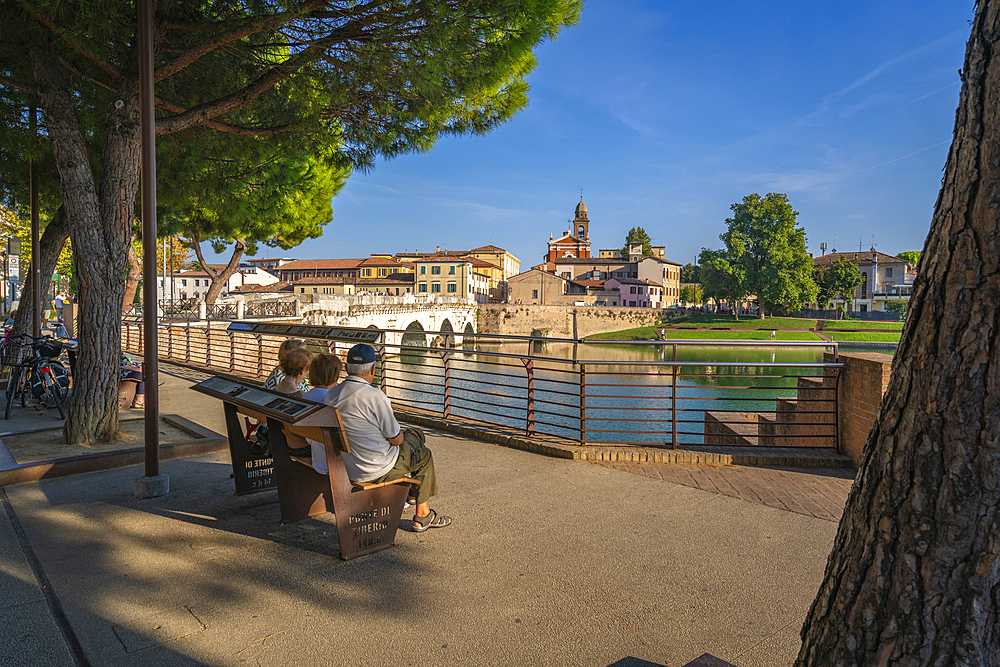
(367, 515)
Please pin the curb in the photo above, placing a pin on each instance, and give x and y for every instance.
(632, 454)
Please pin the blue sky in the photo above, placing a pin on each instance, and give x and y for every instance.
(666, 113)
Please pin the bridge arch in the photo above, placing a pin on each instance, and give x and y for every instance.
(414, 335)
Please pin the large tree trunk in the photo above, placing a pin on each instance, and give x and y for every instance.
(49, 246)
(914, 577)
(220, 279)
(99, 222)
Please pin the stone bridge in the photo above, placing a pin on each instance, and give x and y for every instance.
(411, 314)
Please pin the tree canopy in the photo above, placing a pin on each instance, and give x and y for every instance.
(689, 273)
(720, 279)
(911, 256)
(836, 280)
(368, 80)
(766, 248)
(638, 235)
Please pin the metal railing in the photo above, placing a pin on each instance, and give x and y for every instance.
(220, 311)
(671, 400)
(270, 309)
(178, 308)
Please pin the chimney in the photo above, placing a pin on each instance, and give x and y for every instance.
(438, 250)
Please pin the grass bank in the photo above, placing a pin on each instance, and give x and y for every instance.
(854, 325)
(863, 336)
(647, 333)
(749, 322)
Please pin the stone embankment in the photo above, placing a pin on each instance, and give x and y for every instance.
(565, 321)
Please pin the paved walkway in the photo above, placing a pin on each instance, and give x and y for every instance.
(815, 492)
(549, 561)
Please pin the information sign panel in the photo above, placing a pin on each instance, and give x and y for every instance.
(307, 332)
(355, 335)
(240, 326)
(270, 328)
(268, 403)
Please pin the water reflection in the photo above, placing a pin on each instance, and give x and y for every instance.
(621, 402)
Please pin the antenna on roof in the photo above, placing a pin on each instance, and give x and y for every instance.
(835, 243)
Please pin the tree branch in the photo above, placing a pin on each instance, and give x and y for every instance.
(18, 86)
(229, 128)
(192, 55)
(72, 43)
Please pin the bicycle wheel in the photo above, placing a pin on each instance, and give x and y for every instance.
(12, 381)
(52, 394)
(24, 386)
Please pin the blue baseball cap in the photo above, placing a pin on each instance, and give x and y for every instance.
(361, 354)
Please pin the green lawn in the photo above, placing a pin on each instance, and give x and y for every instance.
(749, 322)
(642, 333)
(647, 333)
(708, 334)
(846, 336)
(854, 325)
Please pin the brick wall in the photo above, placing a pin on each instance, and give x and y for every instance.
(863, 381)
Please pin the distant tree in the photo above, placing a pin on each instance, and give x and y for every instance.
(836, 280)
(720, 279)
(638, 235)
(692, 294)
(910, 256)
(770, 253)
(897, 305)
(689, 273)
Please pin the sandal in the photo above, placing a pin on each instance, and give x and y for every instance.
(138, 406)
(432, 520)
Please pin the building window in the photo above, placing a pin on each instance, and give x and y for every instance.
(451, 270)
(422, 287)
(381, 272)
(452, 288)
(888, 273)
(197, 283)
(864, 285)
(436, 270)
(423, 270)
(314, 290)
(632, 291)
(534, 294)
(436, 287)
(632, 304)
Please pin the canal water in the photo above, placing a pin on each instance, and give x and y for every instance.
(628, 392)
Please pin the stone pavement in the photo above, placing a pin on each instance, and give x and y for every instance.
(817, 492)
(549, 561)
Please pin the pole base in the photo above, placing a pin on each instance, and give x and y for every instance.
(152, 487)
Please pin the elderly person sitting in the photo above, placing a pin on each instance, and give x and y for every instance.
(380, 449)
(294, 368)
(277, 375)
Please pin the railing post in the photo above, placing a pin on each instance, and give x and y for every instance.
(383, 380)
(208, 347)
(140, 342)
(529, 365)
(583, 404)
(187, 344)
(673, 401)
(232, 351)
(170, 342)
(446, 358)
(260, 355)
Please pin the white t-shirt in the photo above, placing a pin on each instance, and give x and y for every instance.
(369, 424)
(318, 450)
(59, 301)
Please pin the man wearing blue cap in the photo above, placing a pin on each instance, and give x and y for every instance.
(380, 450)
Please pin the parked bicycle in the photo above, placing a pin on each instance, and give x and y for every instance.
(36, 376)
